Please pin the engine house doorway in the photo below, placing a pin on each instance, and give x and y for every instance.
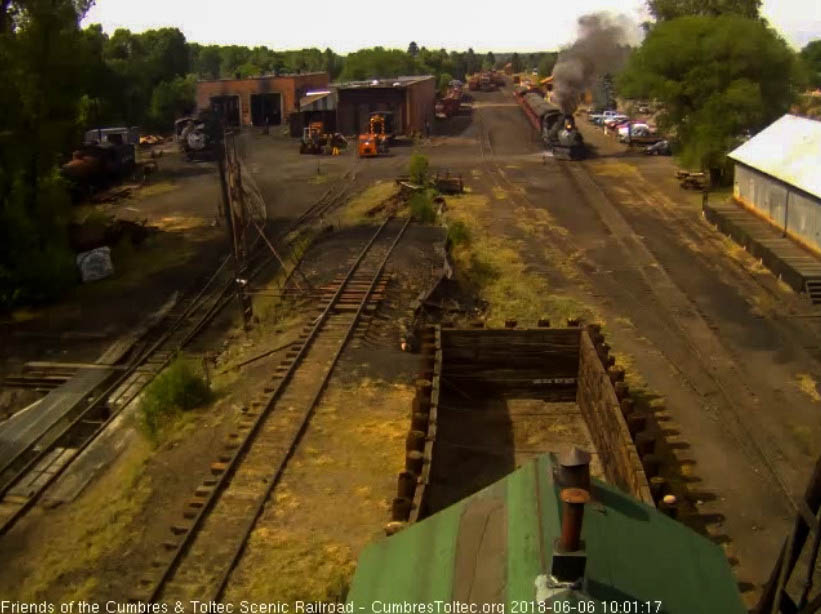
(227, 108)
(266, 105)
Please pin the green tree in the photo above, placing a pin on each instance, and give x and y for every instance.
(665, 10)
(165, 54)
(43, 70)
(490, 59)
(811, 57)
(472, 63)
(208, 62)
(443, 82)
(333, 63)
(516, 62)
(233, 56)
(413, 48)
(547, 63)
(379, 62)
(170, 100)
(418, 168)
(715, 77)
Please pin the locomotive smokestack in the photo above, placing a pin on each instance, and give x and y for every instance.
(601, 47)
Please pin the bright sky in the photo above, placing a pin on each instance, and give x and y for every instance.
(348, 25)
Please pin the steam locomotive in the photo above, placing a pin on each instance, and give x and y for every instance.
(557, 129)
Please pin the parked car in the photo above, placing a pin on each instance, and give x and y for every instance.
(598, 118)
(662, 148)
(633, 127)
(615, 121)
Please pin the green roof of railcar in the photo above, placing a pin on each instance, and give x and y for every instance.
(491, 547)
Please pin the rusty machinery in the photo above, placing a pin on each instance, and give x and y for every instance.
(316, 141)
(375, 141)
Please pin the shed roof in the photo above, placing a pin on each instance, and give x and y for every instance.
(289, 75)
(491, 547)
(319, 101)
(789, 149)
(398, 82)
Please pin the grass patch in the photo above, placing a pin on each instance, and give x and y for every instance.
(311, 533)
(363, 207)
(97, 525)
(309, 568)
(808, 385)
(615, 169)
(133, 266)
(422, 208)
(319, 179)
(491, 267)
(180, 387)
(499, 193)
(418, 168)
(155, 189)
(458, 233)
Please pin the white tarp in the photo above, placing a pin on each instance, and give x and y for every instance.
(95, 264)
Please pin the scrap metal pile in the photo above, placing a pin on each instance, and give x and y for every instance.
(451, 102)
(486, 81)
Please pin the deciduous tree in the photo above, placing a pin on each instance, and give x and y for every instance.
(44, 56)
(715, 77)
(516, 62)
(811, 56)
(665, 10)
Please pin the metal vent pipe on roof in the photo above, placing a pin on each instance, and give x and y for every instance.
(573, 500)
(574, 469)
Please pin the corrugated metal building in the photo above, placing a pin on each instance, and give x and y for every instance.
(314, 106)
(498, 547)
(777, 177)
(411, 99)
(248, 102)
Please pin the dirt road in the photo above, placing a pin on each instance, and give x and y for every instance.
(726, 346)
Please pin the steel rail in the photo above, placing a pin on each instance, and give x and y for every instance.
(274, 480)
(221, 300)
(237, 457)
(94, 406)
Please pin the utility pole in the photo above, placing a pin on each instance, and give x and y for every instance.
(232, 199)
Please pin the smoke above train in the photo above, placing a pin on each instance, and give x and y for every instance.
(600, 48)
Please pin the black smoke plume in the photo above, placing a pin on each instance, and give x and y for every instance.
(600, 48)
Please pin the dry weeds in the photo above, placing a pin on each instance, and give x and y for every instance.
(334, 497)
(493, 268)
(360, 208)
(96, 526)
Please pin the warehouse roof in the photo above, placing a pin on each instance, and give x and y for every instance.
(268, 76)
(491, 547)
(403, 81)
(318, 101)
(789, 149)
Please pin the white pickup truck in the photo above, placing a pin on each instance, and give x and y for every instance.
(600, 118)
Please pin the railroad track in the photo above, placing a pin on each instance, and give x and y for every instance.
(25, 477)
(204, 547)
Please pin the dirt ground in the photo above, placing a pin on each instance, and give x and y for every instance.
(480, 442)
(727, 355)
(146, 488)
(703, 329)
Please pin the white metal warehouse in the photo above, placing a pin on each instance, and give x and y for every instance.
(778, 176)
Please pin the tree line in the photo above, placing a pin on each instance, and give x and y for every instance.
(60, 79)
(715, 66)
(720, 73)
